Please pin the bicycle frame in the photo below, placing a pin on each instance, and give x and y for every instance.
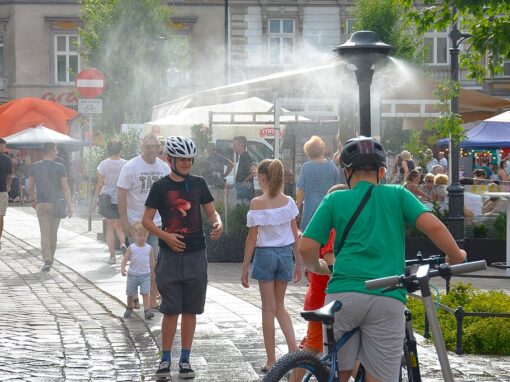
(331, 358)
(411, 347)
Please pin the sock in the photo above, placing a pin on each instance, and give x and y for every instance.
(165, 356)
(185, 355)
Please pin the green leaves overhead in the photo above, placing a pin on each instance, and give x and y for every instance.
(131, 43)
(487, 22)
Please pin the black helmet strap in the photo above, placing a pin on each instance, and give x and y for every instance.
(349, 177)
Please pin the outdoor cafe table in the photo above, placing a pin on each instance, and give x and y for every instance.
(505, 195)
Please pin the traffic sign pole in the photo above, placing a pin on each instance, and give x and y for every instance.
(89, 182)
(90, 84)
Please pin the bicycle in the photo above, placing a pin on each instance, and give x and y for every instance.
(410, 366)
(326, 369)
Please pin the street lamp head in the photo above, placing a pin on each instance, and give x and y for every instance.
(364, 48)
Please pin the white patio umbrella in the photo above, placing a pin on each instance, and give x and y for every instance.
(35, 137)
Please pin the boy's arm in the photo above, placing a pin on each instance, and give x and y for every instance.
(172, 239)
(309, 250)
(152, 260)
(436, 231)
(214, 219)
(124, 261)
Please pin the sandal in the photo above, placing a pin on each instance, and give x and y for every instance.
(136, 303)
(265, 369)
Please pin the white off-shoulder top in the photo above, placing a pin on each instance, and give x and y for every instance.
(274, 224)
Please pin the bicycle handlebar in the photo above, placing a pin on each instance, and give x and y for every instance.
(444, 270)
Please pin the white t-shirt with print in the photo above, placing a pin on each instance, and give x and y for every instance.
(110, 169)
(137, 176)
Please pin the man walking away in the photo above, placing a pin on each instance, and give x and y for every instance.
(5, 184)
(46, 186)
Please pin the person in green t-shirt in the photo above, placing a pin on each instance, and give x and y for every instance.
(373, 248)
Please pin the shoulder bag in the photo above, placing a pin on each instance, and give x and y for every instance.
(353, 219)
(59, 203)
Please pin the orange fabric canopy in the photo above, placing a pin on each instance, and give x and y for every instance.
(20, 114)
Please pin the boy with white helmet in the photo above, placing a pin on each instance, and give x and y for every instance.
(181, 270)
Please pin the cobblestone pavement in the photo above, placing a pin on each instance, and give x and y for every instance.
(58, 327)
(79, 334)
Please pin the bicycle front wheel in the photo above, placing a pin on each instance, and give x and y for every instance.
(406, 372)
(301, 366)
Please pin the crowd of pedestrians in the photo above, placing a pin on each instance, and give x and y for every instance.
(343, 233)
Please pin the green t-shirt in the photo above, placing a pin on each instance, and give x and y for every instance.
(375, 246)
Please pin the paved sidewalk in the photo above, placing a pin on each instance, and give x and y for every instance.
(228, 345)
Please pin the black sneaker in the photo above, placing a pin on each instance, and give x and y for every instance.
(185, 370)
(46, 267)
(148, 315)
(163, 370)
(128, 312)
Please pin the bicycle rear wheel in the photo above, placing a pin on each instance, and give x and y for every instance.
(301, 366)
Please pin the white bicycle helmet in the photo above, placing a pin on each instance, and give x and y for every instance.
(180, 147)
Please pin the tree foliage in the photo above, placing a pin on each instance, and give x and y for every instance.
(386, 18)
(131, 43)
(487, 22)
(448, 124)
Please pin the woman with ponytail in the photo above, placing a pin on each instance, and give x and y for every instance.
(273, 239)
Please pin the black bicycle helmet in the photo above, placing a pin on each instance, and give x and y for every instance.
(362, 152)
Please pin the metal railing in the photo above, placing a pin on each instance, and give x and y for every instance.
(459, 314)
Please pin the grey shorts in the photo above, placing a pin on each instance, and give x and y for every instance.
(181, 279)
(135, 281)
(378, 345)
(273, 263)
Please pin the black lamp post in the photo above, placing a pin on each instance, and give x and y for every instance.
(363, 50)
(455, 190)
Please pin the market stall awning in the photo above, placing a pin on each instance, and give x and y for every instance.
(19, 114)
(35, 137)
(492, 133)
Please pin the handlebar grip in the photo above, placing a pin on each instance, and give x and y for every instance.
(469, 267)
(382, 282)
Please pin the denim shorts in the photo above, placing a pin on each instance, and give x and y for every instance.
(135, 281)
(273, 263)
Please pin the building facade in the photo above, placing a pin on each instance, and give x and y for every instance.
(39, 58)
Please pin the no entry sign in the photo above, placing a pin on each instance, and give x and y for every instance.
(89, 83)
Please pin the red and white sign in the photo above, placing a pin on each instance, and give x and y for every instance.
(268, 132)
(89, 83)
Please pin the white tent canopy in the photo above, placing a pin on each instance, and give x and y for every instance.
(35, 137)
(223, 127)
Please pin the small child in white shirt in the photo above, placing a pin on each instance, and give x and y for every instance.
(141, 261)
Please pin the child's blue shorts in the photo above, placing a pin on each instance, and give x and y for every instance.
(135, 281)
(273, 263)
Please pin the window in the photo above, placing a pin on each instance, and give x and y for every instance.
(349, 27)
(436, 48)
(281, 41)
(67, 61)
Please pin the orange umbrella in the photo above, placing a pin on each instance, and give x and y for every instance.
(20, 114)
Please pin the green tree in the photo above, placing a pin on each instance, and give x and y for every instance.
(131, 43)
(386, 18)
(487, 22)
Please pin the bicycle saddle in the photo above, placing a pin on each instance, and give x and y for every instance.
(325, 314)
